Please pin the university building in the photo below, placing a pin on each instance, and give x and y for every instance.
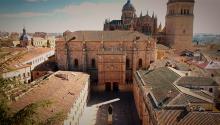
(110, 57)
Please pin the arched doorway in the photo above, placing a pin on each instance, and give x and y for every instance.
(107, 86)
(115, 87)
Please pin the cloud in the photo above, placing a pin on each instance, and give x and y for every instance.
(91, 16)
(36, 1)
(23, 15)
(85, 16)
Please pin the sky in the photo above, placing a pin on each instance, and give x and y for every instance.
(61, 15)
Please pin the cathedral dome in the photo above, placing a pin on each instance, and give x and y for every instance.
(25, 36)
(128, 6)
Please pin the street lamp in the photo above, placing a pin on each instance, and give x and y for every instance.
(67, 51)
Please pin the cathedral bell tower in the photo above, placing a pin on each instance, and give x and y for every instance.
(128, 14)
(179, 24)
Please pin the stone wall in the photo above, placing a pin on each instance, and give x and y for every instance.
(83, 56)
(179, 25)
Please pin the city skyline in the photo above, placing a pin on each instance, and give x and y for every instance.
(57, 16)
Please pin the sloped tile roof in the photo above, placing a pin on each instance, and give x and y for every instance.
(109, 36)
(196, 81)
(62, 93)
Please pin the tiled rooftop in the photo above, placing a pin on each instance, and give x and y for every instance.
(163, 84)
(182, 117)
(17, 56)
(108, 36)
(34, 53)
(57, 89)
(196, 81)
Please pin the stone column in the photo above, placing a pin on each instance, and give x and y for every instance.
(134, 57)
(84, 59)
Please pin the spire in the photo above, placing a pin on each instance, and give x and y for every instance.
(141, 14)
(128, 1)
(153, 15)
(24, 30)
(147, 13)
(160, 25)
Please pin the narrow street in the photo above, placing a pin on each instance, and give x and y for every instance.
(124, 111)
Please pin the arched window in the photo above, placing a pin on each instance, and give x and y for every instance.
(188, 12)
(93, 64)
(140, 63)
(127, 63)
(211, 90)
(76, 63)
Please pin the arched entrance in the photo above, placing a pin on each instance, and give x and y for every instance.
(115, 87)
(107, 86)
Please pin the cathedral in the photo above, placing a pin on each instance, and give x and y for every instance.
(177, 33)
(129, 21)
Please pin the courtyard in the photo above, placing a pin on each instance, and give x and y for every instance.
(124, 111)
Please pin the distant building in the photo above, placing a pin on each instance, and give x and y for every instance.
(40, 34)
(68, 92)
(16, 43)
(39, 42)
(48, 42)
(178, 30)
(25, 39)
(51, 41)
(4, 34)
(14, 36)
(110, 57)
(39, 39)
(163, 97)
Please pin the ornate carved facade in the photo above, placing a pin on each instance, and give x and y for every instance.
(110, 57)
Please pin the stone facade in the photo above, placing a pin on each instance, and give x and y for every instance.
(49, 42)
(179, 24)
(110, 57)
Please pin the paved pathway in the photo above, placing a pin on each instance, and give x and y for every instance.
(124, 111)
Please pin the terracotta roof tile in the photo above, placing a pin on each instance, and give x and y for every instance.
(57, 90)
(109, 36)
